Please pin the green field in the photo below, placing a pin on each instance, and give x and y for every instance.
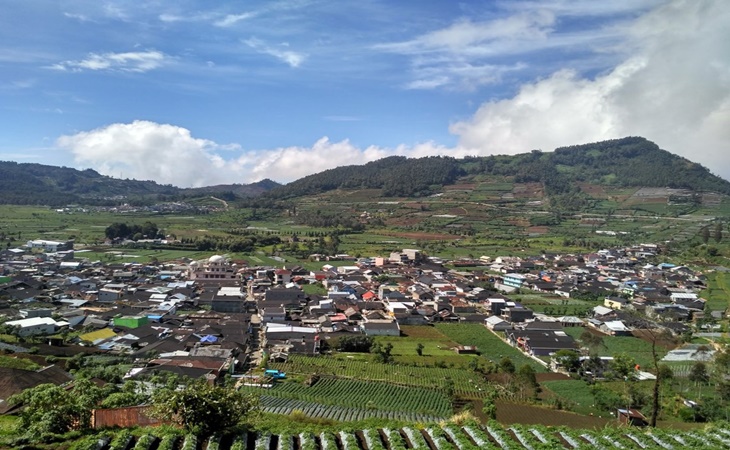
(489, 344)
(575, 394)
(364, 394)
(18, 363)
(437, 347)
(465, 383)
(717, 293)
(636, 348)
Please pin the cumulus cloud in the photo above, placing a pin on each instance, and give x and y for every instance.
(146, 150)
(169, 154)
(281, 52)
(125, 62)
(674, 90)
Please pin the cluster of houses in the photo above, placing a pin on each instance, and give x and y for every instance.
(207, 318)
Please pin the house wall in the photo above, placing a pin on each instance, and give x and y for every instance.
(37, 329)
(108, 295)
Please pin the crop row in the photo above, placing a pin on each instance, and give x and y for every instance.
(278, 405)
(443, 436)
(465, 383)
(365, 394)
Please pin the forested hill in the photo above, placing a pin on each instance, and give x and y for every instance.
(38, 184)
(635, 161)
(631, 161)
(397, 176)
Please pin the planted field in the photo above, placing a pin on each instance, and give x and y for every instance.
(443, 436)
(279, 405)
(717, 293)
(365, 394)
(466, 383)
(489, 344)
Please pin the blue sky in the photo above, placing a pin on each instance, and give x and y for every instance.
(197, 92)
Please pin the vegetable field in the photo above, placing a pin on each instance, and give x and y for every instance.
(466, 383)
(365, 395)
(444, 436)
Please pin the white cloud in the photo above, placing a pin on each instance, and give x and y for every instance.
(675, 90)
(292, 58)
(79, 17)
(125, 62)
(169, 154)
(470, 53)
(147, 151)
(232, 19)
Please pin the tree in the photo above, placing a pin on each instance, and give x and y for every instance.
(506, 365)
(527, 374)
(567, 359)
(361, 344)
(699, 374)
(202, 408)
(54, 409)
(705, 234)
(419, 349)
(590, 340)
(623, 366)
(718, 232)
(382, 352)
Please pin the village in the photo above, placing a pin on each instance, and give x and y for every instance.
(218, 317)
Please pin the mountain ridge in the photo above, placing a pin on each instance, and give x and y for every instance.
(629, 161)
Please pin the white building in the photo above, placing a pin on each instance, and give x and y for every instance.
(36, 325)
(50, 246)
(216, 267)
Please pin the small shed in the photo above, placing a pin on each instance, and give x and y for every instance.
(633, 417)
(467, 350)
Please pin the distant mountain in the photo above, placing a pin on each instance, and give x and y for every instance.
(397, 176)
(631, 161)
(232, 191)
(22, 183)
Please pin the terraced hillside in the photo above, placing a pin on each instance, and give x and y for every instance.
(463, 436)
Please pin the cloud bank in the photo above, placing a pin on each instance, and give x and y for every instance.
(170, 154)
(674, 90)
(673, 87)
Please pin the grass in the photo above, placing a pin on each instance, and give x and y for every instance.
(8, 425)
(17, 363)
(636, 348)
(490, 345)
(717, 293)
(575, 394)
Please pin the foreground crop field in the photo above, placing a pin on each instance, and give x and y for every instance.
(443, 436)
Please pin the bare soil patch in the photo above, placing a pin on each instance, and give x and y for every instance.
(508, 413)
(425, 236)
(537, 230)
(528, 190)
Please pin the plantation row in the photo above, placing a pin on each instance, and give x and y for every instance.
(447, 436)
(364, 394)
(276, 405)
(465, 383)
